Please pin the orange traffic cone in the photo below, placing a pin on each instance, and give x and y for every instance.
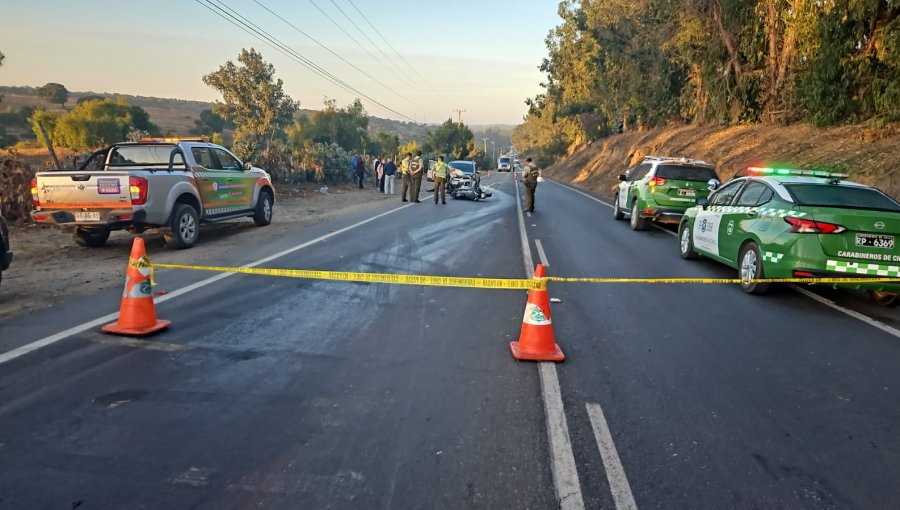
(137, 316)
(536, 341)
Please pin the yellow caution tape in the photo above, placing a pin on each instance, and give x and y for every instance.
(487, 283)
(398, 279)
(143, 263)
(722, 280)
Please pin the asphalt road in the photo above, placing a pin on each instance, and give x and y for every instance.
(281, 393)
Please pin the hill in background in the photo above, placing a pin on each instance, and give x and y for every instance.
(177, 116)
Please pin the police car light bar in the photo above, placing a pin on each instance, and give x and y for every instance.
(756, 170)
(172, 139)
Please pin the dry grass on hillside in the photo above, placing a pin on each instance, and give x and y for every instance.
(867, 155)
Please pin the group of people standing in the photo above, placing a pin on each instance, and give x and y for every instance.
(411, 169)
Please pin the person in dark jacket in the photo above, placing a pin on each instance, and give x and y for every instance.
(360, 170)
(390, 169)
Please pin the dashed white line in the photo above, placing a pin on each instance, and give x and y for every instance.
(541, 254)
(615, 473)
(562, 458)
(49, 340)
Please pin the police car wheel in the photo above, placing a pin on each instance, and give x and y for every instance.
(885, 298)
(750, 268)
(686, 242)
(637, 223)
(617, 212)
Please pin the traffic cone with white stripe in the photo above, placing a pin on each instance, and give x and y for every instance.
(536, 341)
(137, 315)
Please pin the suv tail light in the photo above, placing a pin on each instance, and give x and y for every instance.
(138, 187)
(34, 193)
(801, 226)
(657, 181)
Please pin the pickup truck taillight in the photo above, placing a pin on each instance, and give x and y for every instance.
(138, 188)
(34, 193)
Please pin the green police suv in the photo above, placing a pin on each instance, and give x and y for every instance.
(661, 188)
(783, 223)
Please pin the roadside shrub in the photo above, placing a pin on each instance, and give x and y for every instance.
(15, 189)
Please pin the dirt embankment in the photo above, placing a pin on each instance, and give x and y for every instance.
(869, 156)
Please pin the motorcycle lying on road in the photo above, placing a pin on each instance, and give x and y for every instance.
(467, 186)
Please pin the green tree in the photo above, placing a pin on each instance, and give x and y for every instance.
(390, 143)
(209, 122)
(253, 99)
(345, 126)
(54, 93)
(93, 124)
(89, 97)
(454, 140)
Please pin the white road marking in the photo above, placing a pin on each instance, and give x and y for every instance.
(541, 254)
(856, 315)
(44, 342)
(812, 295)
(663, 229)
(615, 473)
(595, 199)
(562, 458)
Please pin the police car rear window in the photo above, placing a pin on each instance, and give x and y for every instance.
(826, 195)
(465, 166)
(686, 173)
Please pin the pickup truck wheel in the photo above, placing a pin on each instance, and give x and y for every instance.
(184, 228)
(90, 237)
(263, 215)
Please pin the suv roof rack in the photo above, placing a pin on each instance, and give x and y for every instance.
(677, 160)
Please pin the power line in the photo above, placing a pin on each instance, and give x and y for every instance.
(376, 80)
(349, 36)
(383, 38)
(257, 32)
(363, 32)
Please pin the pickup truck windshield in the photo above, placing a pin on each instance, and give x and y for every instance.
(144, 155)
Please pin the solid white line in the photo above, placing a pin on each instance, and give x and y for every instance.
(595, 199)
(43, 342)
(615, 473)
(812, 295)
(541, 254)
(562, 458)
(667, 231)
(856, 315)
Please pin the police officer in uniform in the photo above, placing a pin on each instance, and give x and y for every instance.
(530, 175)
(415, 174)
(441, 169)
(404, 175)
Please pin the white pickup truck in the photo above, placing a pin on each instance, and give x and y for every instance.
(166, 185)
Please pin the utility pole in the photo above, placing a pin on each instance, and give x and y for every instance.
(493, 150)
(459, 113)
(485, 140)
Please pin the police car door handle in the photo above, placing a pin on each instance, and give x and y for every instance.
(752, 214)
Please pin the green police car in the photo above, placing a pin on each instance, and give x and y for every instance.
(660, 189)
(784, 223)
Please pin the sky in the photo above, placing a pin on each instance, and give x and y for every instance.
(477, 56)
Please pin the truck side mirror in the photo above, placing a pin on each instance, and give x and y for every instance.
(703, 202)
(622, 177)
(248, 166)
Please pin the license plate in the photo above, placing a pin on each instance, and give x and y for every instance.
(875, 241)
(87, 216)
(687, 192)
